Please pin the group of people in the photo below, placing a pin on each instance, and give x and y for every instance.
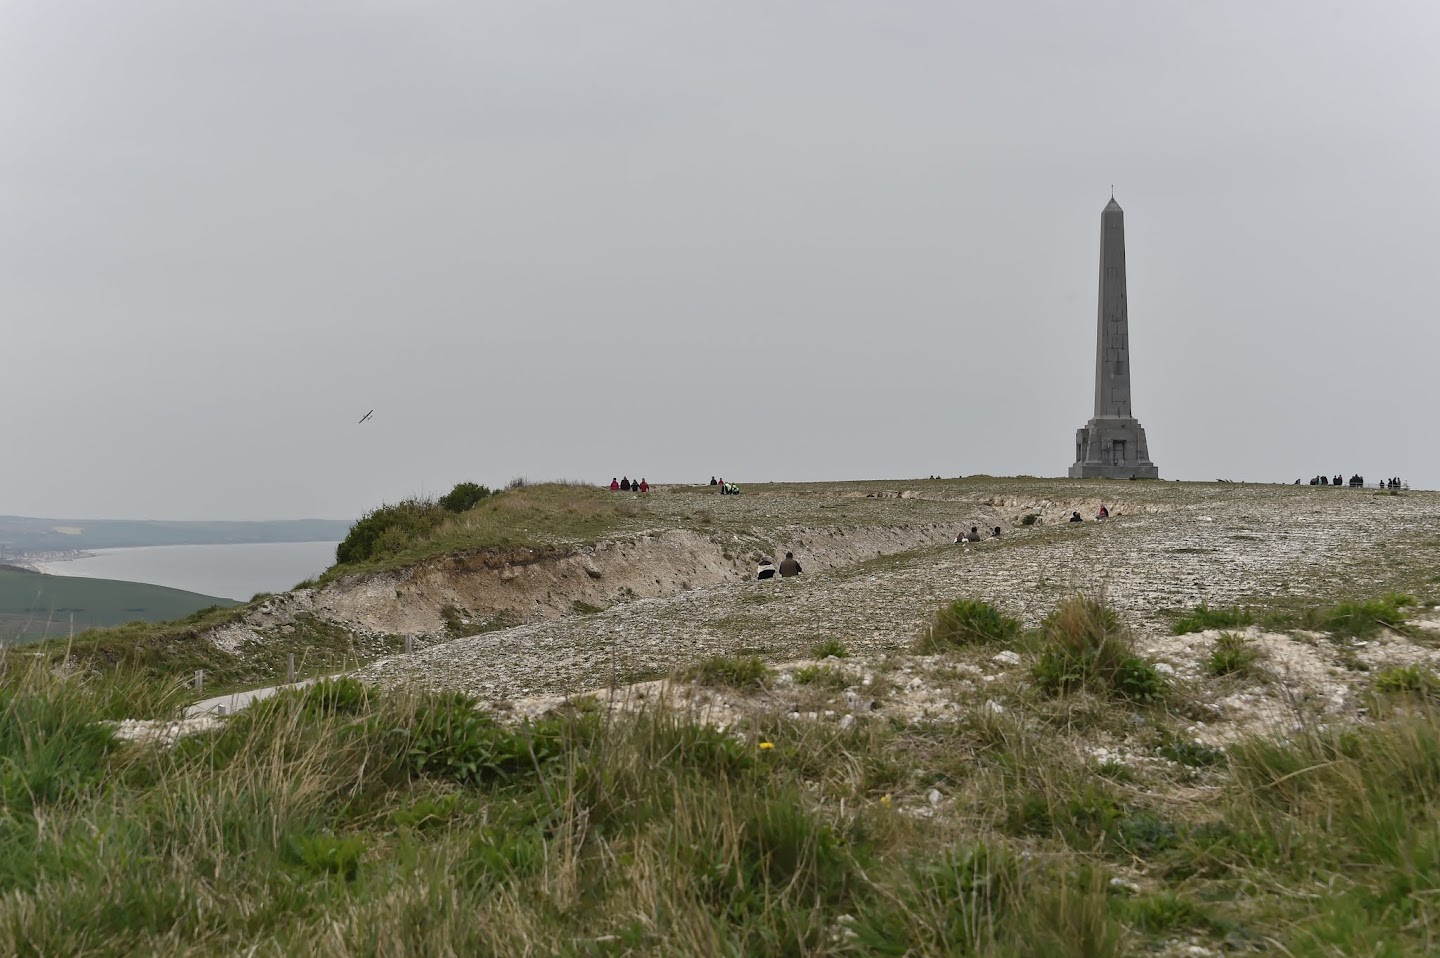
(625, 485)
(726, 488)
(974, 535)
(1100, 516)
(1357, 481)
(788, 567)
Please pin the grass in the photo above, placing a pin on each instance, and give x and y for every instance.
(1361, 619)
(829, 648)
(167, 655)
(343, 820)
(1202, 617)
(537, 516)
(966, 622)
(726, 671)
(1408, 680)
(1232, 654)
(824, 676)
(1085, 645)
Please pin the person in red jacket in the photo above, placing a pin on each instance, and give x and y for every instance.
(644, 486)
(614, 484)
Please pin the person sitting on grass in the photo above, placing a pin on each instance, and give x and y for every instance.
(789, 567)
(996, 533)
(1075, 517)
(1103, 514)
(767, 570)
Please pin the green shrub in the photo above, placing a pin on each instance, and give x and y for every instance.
(1408, 680)
(736, 672)
(456, 621)
(453, 740)
(1165, 912)
(1203, 617)
(1360, 619)
(829, 648)
(327, 854)
(389, 530)
(429, 812)
(967, 622)
(465, 496)
(1231, 655)
(342, 696)
(499, 855)
(824, 676)
(1191, 754)
(1030, 519)
(1087, 646)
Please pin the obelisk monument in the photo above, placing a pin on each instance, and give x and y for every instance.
(1112, 445)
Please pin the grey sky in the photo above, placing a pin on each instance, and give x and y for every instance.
(768, 241)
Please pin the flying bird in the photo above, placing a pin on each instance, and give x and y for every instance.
(366, 416)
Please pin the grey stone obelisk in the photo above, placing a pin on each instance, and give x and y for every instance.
(1112, 445)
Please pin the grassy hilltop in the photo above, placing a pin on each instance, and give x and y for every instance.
(1210, 726)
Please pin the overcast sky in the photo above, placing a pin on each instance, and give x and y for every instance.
(769, 241)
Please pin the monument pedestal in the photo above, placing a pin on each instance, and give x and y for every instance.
(1112, 448)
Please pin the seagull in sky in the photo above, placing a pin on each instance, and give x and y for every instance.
(366, 416)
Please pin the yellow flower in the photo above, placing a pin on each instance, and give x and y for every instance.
(885, 800)
(767, 744)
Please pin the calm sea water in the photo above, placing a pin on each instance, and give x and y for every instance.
(228, 571)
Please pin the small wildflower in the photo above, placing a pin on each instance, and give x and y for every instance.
(767, 744)
(885, 800)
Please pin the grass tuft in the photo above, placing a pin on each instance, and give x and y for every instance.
(966, 622)
(1408, 680)
(1203, 617)
(1085, 645)
(725, 671)
(830, 648)
(824, 676)
(1231, 655)
(1361, 619)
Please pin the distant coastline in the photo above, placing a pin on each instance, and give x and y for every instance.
(25, 540)
(231, 570)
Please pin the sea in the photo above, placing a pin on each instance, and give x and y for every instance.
(225, 571)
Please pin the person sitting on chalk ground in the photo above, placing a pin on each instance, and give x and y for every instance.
(1075, 517)
(996, 533)
(767, 570)
(789, 567)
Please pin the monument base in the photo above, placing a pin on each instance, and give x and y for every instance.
(1112, 448)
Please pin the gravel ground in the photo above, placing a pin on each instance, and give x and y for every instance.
(1170, 547)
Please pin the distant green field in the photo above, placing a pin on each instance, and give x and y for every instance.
(33, 605)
